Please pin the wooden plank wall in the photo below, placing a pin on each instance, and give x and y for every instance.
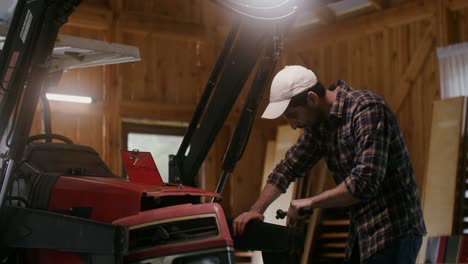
(375, 57)
(391, 53)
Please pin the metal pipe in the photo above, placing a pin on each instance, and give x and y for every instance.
(221, 184)
(46, 120)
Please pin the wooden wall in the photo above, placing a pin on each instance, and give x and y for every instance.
(391, 52)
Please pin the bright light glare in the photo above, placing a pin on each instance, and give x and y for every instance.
(69, 98)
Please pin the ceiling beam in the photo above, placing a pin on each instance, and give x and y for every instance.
(455, 5)
(353, 28)
(380, 4)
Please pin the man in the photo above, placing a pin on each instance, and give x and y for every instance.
(359, 137)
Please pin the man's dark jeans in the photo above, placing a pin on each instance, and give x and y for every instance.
(403, 251)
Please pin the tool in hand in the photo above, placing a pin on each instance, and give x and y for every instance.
(280, 214)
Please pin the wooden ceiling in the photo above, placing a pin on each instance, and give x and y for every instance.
(197, 20)
(190, 19)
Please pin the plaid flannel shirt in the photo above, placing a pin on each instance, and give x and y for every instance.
(363, 146)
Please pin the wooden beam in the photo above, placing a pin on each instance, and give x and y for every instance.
(416, 64)
(446, 25)
(112, 93)
(455, 5)
(348, 29)
(157, 111)
(183, 113)
(92, 17)
(379, 4)
(311, 11)
(450, 26)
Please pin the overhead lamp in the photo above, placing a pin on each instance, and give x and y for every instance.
(69, 98)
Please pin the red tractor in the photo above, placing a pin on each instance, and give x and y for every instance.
(162, 223)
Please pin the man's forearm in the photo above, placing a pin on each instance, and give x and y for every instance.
(336, 197)
(267, 196)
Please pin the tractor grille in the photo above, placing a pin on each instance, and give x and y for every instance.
(178, 231)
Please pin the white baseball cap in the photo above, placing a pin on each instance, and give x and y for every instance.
(290, 81)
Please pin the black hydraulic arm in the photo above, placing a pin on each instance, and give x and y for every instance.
(236, 61)
(239, 64)
(208, 90)
(176, 162)
(244, 125)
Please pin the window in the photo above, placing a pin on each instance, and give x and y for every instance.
(453, 66)
(160, 141)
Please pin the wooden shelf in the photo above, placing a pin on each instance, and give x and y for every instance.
(334, 235)
(333, 255)
(335, 223)
(333, 245)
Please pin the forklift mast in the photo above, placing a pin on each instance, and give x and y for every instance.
(256, 38)
(24, 63)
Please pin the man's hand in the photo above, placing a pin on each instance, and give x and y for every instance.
(293, 211)
(238, 225)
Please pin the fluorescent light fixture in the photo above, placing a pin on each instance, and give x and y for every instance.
(69, 98)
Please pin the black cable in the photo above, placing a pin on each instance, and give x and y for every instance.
(19, 199)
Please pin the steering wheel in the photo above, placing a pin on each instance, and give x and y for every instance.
(49, 137)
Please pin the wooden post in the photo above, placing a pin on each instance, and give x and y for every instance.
(112, 96)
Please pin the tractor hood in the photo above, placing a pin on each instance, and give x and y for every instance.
(149, 190)
(114, 198)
